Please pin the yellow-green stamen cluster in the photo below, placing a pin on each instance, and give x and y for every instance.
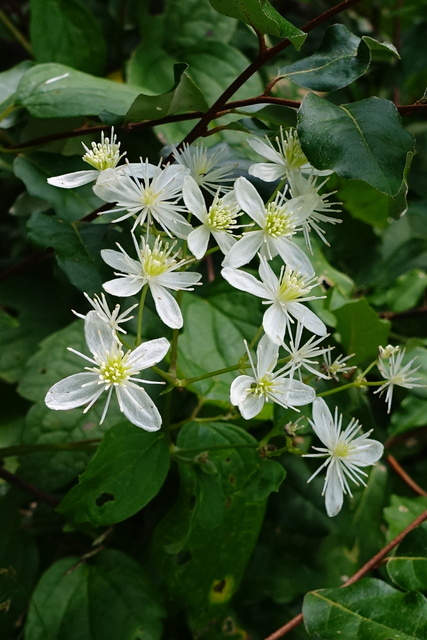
(114, 370)
(290, 148)
(149, 197)
(278, 221)
(263, 386)
(221, 217)
(159, 259)
(104, 154)
(293, 285)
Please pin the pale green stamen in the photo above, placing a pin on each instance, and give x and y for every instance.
(114, 370)
(158, 260)
(221, 217)
(292, 286)
(149, 197)
(278, 222)
(104, 154)
(263, 386)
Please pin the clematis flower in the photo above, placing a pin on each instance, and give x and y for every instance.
(112, 370)
(206, 167)
(155, 267)
(154, 198)
(345, 453)
(286, 159)
(219, 220)
(334, 367)
(303, 355)
(278, 222)
(250, 393)
(390, 367)
(285, 295)
(103, 155)
(114, 318)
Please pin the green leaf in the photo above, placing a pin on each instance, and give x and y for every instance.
(127, 471)
(262, 16)
(105, 597)
(9, 81)
(56, 91)
(151, 68)
(184, 96)
(66, 31)
(408, 567)
(368, 609)
(364, 140)
(407, 290)
(361, 330)
(401, 512)
(411, 413)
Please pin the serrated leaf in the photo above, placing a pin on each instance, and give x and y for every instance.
(126, 472)
(408, 567)
(262, 16)
(67, 32)
(105, 597)
(184, 96)
(368, 609)
(53, 90)
(364, 140)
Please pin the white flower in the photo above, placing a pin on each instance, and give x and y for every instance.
(389, 350)
(250, 393)
(103, 155)
(113, 369)
(287, 159)
(206, 167)
(154, 198)
(345, 453)
(278, 222)
(114, 318)
(303, 355)
(219, 220)
(155, 267)
(395, 374)
(334, 367)
(284, 294)
(300, 186)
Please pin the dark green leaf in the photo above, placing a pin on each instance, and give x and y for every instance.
(126, 472)
(194, 21)
(356, 612)
(106, 597)
(363, 141)
(9, 81)
(401, 512)
(408, 567)
(66, 31)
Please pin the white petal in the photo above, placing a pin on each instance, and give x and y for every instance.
(333, 491)
(99, 335)
(244, 281)
(295, 393)
(138, 407)
(193, 198)
(148, 354)
(251, 406)
(124, 287)
(137, 169)
(108, 185)
(198, 241)
(239, 389)
(70, 393)
(75, 179)
(307, 318)
(225, 241)
(178, 280)
(268, 276)
(121, 261)
(323, 422)
(266, 171)
(244, 249)
(267, 353)
(369, 456)
(265, 150)
(166, 306)
(250, 200)
(275, 322)
(293, 256)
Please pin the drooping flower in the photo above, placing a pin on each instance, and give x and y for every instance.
(250, 393)
(114, 318)
(284, 160)
(394, 373)
(278, 222)
(345, 453)
(219, 220)
(155, 267)
(151, 196)
(285, 295)
(206, 167)
(303, 355)
(112, 370)
(334, 367)
(102, 156)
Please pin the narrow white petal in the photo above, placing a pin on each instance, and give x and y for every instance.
(166, 306)
(244, 249)
(266, 171)
(323, 422)
(307, 318)
(178, 279)
(137, 169)
(265, 150)
(267, 353)
(293, 256)
(239, 389)
(193, 198)
(275, 322)
(138, 407)
(148, 354)
(268, 276)
(124, 287)
(250, 200)
(295, 393)
(121, 261)
(73, 180)
(366, 457)
(99, 335)
(198, 241)
(333, 492)
(244, 281)
(225, 241)
(70, 392)
(251, 406)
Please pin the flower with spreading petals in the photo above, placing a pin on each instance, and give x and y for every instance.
(345, 453)
(114, 318)
(103, 155)
(250, 393)
(112, 370)
(303, 355)
(395, 374)
(219, 220)
(284, 160)
(152, 195)
(206, 167)
(278, 221)
(155, 267)
(334, 367)
(285, 295)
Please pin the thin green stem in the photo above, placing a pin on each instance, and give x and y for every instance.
(276, 191)
(141, 314)
(16, 33)
(344, 387)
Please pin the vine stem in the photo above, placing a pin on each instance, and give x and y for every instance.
(404, 476)
(18, 482)
(140, 314)
(368, 566)
(16, 33)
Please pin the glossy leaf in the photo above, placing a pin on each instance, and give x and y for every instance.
(126, 472)
(105, 597)
(408, 567)
(364, 140)
(401, 512)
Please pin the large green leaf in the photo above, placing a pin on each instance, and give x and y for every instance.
(408, 567)
(53, 90)
(369, 609)
(106, 597)
(401, 512)
(127, 471)
(262, 16)
(363, 140)
(341, 58)
(66, 31)
(9, 81)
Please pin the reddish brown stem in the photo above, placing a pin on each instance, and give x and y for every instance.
(405, 477)
(18, 482)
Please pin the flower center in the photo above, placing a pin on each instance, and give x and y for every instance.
(291, 150)
(292, 286)
(149, 197)
(157, 260)
(341, 450)
(221, 217)
(262, 386)
(104, 154)
(114, 370)
(278, 222)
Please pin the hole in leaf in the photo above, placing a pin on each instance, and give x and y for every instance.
(220, 585)
(103, 498)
